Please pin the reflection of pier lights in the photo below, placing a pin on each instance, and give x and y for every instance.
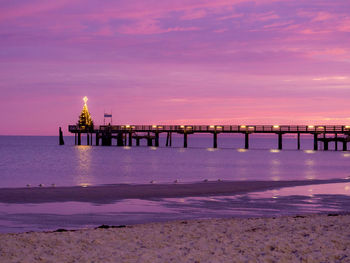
(83, 168)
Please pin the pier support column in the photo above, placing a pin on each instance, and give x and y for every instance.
(120, 141)
(61, 142)
(79, 138)
(124, 136)
(137, 141)
(215, 142)
(130, 139)
(185, 140)
(106, 140)
(246, 144)
(75, 139)
(149, 140)
(97, 139)
(171, 140)
(280, 141)
(156, 141)
(336, 142)
(325, 145)
(167, 139)
(87, 139)
(298, 141)
(315, 142)
(345, 145)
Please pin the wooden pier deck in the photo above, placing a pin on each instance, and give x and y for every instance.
(125, 134)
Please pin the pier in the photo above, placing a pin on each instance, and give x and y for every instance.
(126, 135)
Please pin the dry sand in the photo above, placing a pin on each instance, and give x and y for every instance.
(313, 238)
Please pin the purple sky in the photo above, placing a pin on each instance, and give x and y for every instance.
(183, 62)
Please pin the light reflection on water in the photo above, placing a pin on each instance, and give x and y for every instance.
(39, 160)
(83, 175)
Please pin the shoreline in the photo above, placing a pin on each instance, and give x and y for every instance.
(111, 193)
(309, 238)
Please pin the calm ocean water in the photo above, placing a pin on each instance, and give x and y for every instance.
(40, 160)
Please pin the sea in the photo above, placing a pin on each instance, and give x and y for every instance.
(38, 161)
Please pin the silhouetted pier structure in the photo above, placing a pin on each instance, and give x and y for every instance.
(125, 134)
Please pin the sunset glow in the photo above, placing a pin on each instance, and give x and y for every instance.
(174, 62)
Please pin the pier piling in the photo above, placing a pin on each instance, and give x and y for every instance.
(61, 141)
(325, 145)
(315, 141)
(156, 140)
(336, 142)
(120, 141)
(215, 142)
(79, 138)
(167, 139)
(280, 141)
(130, 139)
(246, 144)
(298, 141)
(185, 140)
(97, 139)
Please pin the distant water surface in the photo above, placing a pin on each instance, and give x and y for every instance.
(40, 160)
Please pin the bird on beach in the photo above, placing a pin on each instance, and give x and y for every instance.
(205, 180)
(176, 181)
(152, 182)
(28, 185)
(41, 185)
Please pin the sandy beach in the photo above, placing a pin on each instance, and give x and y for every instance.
(311, 238)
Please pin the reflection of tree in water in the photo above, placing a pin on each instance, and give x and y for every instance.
(83, 174)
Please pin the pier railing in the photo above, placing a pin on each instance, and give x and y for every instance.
(218, 128)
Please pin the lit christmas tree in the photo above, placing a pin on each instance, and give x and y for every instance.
(85, 122)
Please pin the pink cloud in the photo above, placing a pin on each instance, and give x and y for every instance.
(344, 25)
(150, 26)
(194, 14)
(322, 16)
(33, 8)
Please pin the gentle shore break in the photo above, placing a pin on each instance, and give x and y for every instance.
(311, 238)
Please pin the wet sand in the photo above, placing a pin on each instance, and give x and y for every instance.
(313, 238)
(111, 193)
